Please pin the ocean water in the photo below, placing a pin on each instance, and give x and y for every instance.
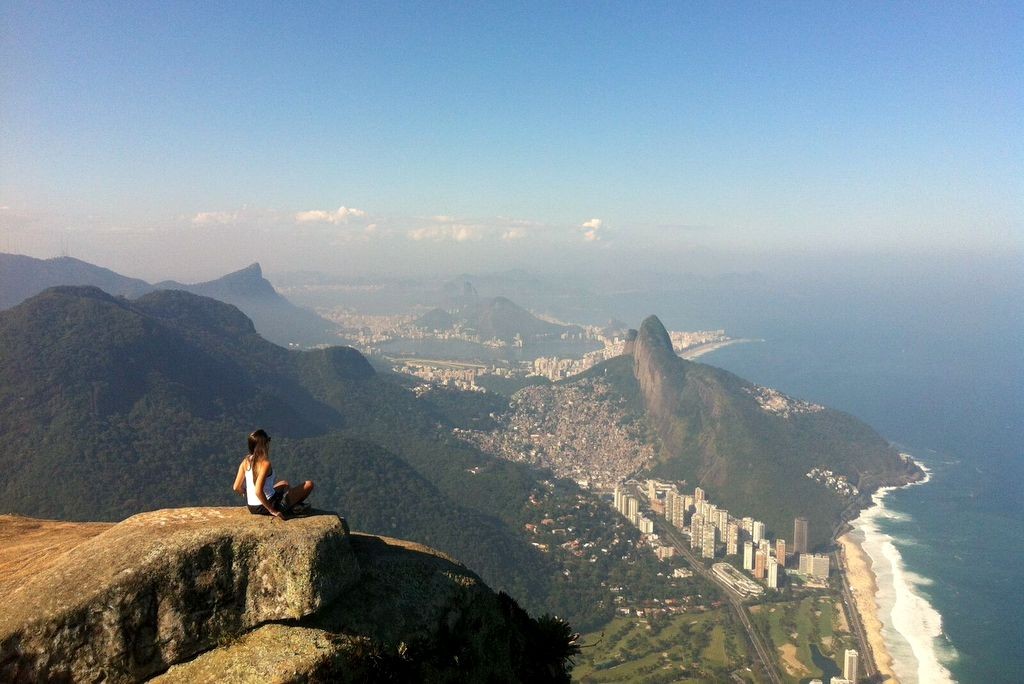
(941, 374)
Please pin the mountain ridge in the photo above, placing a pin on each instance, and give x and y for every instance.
(493, 318)
(276, 318)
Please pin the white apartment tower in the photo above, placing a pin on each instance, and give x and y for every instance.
(696, 530)
(851, 663)
(732, 539)
(773, 573)
(748, 555)
(757, 531)
(707, 548)
(723, 520)
(671, 502)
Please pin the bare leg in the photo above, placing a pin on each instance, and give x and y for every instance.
(298, 494)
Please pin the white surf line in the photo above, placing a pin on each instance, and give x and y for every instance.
(914, 622)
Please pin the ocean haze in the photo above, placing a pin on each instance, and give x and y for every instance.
(935, 366)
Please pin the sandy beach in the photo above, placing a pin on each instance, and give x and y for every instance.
(702, 349)
(862, 584)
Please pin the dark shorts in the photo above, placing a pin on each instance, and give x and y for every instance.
(275, 501)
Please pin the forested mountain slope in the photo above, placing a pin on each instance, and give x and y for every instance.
(109, 407)
(750, 447)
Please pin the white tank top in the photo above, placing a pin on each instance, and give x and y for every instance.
(250, 485)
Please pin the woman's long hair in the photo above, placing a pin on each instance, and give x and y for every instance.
(259, 450)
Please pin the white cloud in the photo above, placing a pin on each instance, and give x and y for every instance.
(216, 218)
(592, 229)
(339, 215)
(456, 233)
(513, 234)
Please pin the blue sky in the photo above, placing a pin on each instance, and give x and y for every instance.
(499, 134)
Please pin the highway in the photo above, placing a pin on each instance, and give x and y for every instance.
(764, 654)
(867, 656)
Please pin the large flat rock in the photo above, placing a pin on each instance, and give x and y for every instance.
(161, 587)
(271, 654)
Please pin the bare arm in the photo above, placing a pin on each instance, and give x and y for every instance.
(239, 485)
(261, 475)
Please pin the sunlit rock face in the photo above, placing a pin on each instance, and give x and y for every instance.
(219, 594)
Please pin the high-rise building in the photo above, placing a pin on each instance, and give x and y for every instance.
(696, 531)
(617, 498)
(679, 514)
(773, 573)
(800, 535)
(732, 539)
(748, 555)
(671, 502)
(633, 505)
(723, 520)
(757, 533)
(698, 494)
(851, 665)
(645, 524)
(760, 564)
(707, 547)
(780, 551)
(816, 565)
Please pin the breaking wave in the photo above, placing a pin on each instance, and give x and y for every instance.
(911, 626)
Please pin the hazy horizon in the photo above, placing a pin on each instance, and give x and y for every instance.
(174, 141)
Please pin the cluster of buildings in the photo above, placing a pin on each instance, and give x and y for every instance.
(837, 483)
(682, 341)
(629, 506)
(714, 532)
(463, 378)
(570, 429)
(554, 368)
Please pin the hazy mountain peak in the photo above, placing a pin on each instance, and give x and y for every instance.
(652, 332)
(246, 282)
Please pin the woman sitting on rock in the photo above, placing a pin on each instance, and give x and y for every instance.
(255, 473)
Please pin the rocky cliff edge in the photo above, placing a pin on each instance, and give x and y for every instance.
(217, 594)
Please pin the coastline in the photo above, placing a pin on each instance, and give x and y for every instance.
(700, 350)
(900, 624)
(863, 585)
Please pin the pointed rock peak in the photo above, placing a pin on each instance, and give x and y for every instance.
(253, 271)
(653, 333)
(248, 282)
